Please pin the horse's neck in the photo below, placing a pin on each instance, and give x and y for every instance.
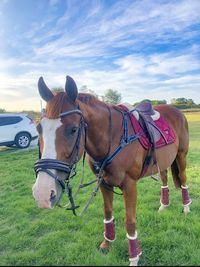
(100, 136)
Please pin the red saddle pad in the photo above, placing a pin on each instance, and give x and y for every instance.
(167, 137)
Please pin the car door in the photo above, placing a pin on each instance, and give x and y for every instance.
(8, 128)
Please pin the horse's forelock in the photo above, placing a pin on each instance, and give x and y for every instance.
(55, 105)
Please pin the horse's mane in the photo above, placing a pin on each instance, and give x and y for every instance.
(55, 105)
(92, 100)
(88, 98)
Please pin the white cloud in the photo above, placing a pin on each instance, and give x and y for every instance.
(132, 87)
(126, 23)
(163, 64)
(107, 47)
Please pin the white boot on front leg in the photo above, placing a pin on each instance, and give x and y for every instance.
(134, 250)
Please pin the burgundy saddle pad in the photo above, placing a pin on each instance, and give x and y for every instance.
(165, 134)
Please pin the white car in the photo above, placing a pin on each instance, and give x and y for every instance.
(16, 129)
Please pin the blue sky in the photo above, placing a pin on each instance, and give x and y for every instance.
(142, 48)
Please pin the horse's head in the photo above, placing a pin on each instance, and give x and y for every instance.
(61, 138)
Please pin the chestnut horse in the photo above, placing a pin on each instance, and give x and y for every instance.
(63, 138)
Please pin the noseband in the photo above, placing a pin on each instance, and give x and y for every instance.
(44, 165)
(69, 169)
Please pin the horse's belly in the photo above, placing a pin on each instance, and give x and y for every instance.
(164, 157)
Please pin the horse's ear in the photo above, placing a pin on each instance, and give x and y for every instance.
(44, 91)
(71, 88)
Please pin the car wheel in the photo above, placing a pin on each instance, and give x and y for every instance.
(22, 140)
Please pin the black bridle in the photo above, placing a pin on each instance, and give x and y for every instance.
(69, 169)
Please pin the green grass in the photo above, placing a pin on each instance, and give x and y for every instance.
(30, 236)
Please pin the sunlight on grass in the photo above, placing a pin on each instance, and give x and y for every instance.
(193, 116)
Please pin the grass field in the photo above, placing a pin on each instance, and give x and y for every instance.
(30, 236)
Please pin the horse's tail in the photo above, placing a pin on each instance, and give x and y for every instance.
(175, 174)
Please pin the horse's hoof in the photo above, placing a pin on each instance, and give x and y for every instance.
(186, 209)
(104, 247)
(134, 262)
(162, 207)
(103, 250)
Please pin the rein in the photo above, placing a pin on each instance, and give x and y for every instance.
(69, 169)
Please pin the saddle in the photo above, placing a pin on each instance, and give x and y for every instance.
(145, 108)
(146, 112)
(154, 130)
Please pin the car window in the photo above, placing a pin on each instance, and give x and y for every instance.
(9, 120)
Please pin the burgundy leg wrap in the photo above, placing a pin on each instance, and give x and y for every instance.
(109, 230)
(164, 199)
(133, 247)
(185, 196)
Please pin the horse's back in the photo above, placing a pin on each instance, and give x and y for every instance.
(178, 122)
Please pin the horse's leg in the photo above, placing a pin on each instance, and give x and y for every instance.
(130, 200)
(109, 226)
(164, 197)
(181, 162)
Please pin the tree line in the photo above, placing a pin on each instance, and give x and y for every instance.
(114, 97)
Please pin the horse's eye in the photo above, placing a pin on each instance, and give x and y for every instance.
(74, 130)
(70, 131)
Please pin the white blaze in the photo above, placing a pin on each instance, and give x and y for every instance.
(45, 184)
(49, 128)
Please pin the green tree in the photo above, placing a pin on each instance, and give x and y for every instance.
(190, 102)
(173, 101)
(2, 110)
(85, 89)
(34, 115)
(183, 103)
(178, 101)
(57, 90)
(158, 102)
(112, 96)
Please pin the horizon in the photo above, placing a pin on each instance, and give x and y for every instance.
(43, 104)
(143, 49)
